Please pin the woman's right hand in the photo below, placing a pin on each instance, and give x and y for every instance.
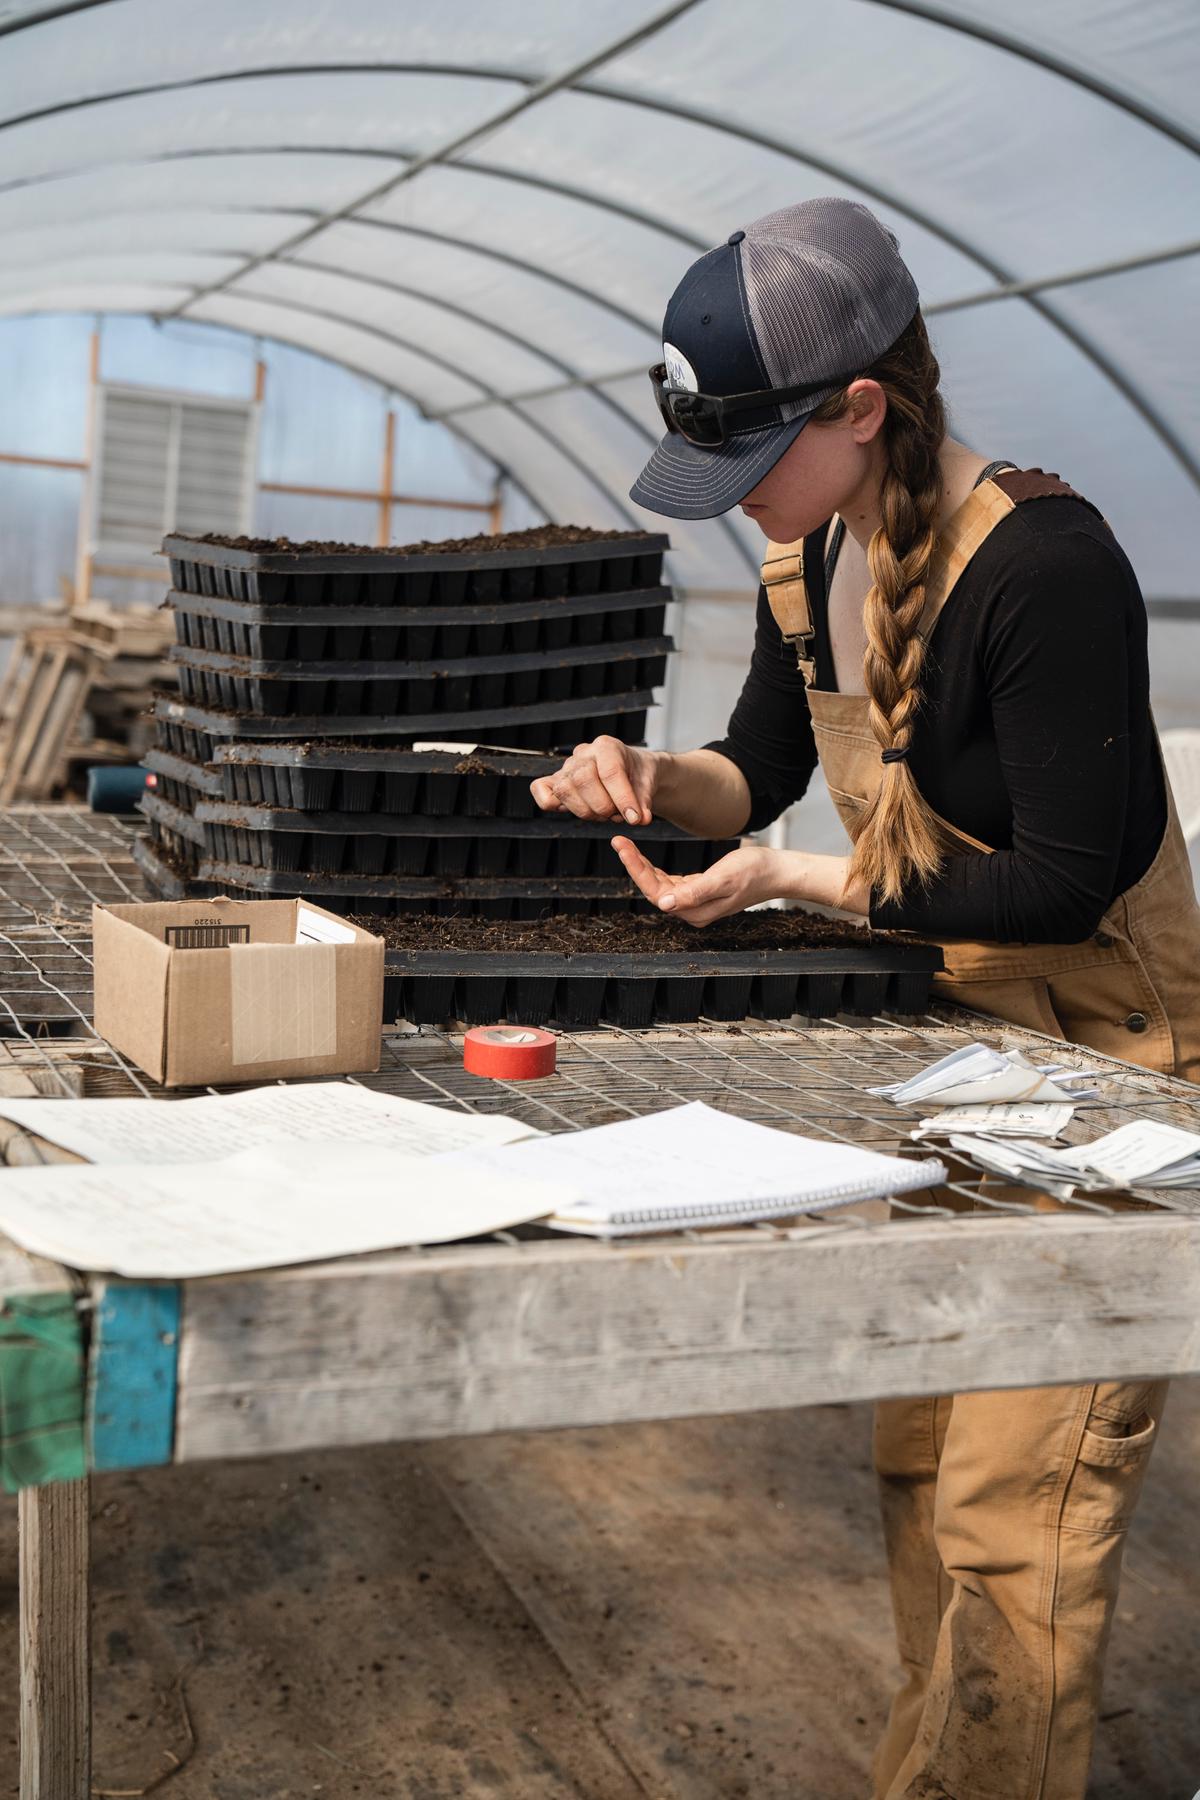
(603, 780)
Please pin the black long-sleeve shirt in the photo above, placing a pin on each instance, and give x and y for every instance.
(1034, 734)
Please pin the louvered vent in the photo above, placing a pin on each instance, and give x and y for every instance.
(167, 462)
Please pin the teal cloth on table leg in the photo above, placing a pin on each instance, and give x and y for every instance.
(42, 1384)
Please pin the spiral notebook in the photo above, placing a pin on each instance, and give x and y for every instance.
(692, 1166)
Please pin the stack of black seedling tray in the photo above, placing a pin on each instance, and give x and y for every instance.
(535, 644)
(435, 830)
(401, 635)
(288, 766)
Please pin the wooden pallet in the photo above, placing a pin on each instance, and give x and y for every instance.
(42, 694)
(88, 672)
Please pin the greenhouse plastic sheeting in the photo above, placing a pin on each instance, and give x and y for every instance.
(485, 208)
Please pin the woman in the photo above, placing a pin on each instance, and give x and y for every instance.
(962, 646)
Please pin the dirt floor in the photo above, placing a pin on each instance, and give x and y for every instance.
(688, 1611)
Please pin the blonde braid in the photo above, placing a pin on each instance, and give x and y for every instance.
(896, 835)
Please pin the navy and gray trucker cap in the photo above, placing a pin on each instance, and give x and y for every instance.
(813, 289)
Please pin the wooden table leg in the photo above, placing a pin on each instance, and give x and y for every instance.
(56, 1657)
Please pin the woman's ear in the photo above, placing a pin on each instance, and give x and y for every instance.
(866, 409)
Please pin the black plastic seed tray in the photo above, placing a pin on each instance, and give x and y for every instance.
(414, 845)
(167, 871)
(578, 992)
(194, 731)
(395, 689)
(549, 894)
(480, 784)
(180, 781)
(415, 633)
(184, 832)
(399, 577)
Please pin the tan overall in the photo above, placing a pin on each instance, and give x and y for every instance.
(1005, 1512)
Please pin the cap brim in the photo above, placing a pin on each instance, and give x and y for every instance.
(687, 482)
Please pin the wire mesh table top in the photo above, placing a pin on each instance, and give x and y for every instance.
(809, 1076)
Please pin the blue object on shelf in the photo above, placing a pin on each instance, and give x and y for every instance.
(115, 789)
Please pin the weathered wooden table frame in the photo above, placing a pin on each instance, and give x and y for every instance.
(523, 1332)
(531, 1333)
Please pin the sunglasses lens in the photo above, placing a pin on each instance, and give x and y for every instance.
(697, 419)
(662, 395)
(693, 416)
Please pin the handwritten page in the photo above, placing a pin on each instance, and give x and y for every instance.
(692, 1165)
(1145, 1151)
(260, 1209)
(1033, 1118)
(214, 1125)
(1143, 1154)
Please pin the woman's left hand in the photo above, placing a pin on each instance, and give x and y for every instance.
(737, 881)
(744, 878)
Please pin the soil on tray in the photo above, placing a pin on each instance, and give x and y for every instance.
(620, 934)
(537, 537)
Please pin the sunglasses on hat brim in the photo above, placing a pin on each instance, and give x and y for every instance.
(700, 418)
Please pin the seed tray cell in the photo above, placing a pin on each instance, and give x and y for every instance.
(213, 678)
(403, 578)
(545, 726)
(414, 634)
(634, 991)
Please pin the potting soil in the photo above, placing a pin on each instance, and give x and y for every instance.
(637, 934)
(537, 537)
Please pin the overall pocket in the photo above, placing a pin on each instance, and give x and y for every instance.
(1113, 1453)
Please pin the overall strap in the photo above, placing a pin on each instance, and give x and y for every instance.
(787, 596)
(990, 501)
(982, 510)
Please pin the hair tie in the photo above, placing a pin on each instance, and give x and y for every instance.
(891, 756)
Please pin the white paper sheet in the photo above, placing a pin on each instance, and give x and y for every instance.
(1142, 1154)
(469, 749)
(1139, 1152)
(215, 1125)
(314, 928)
(260, 1209)
(692, 1165)
(1013, 1119)
(979, 1075)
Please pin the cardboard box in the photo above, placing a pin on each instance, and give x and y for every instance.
(237, 990)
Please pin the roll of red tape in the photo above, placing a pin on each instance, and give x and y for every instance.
(512, 1052)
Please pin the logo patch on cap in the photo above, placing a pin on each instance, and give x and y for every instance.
(680, 372)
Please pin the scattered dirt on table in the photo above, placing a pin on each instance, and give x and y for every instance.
(537, 537)
(623, 933)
